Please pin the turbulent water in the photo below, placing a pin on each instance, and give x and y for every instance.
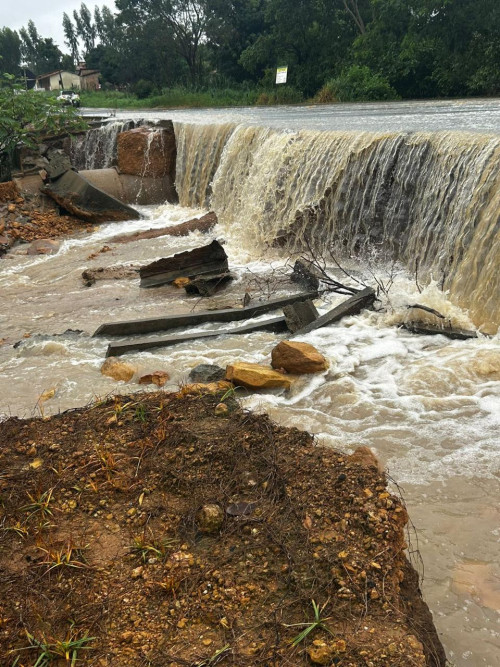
(430, 200)
(96, 149)
(430, 407)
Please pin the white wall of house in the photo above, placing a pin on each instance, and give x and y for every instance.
(69, 81)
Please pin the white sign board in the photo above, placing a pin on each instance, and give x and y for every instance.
(281, 74)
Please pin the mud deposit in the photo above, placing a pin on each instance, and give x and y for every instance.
(147, 530)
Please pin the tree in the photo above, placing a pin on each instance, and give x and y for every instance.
(185, 22)
(85, 27)
(10, 51)
(39, 54)
(71, 40)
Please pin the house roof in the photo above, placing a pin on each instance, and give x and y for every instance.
(89, 72)
(56, 71)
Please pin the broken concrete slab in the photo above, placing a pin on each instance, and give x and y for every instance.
(132, 189)
(83, 200)
(192, 319)
(209, 284)
(276, 324)
(352, 306)
(300, 314)
(211, 258)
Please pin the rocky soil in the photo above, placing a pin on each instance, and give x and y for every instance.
(22, 221)
(160, 529)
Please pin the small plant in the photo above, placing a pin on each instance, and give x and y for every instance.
(66, 649)
(65, 557)
(106, 459)
(147, 548)
(39, 505)
(318, 622)
(19, 529)
(230, 393)
(214, 659)
(140, 413)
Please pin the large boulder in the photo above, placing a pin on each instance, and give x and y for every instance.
(254, 376)
(118, 370)
(298, 358)
(147, 151)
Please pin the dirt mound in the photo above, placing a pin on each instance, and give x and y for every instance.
(103, 546)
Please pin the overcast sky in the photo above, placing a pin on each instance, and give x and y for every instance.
(46, 14)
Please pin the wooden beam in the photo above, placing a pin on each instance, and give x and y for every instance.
(276, 324)
(352, 306)
(434, 330)
(192, 319)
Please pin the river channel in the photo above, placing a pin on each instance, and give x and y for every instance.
(428, 406)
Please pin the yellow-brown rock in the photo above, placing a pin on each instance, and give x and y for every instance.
(299, 358)
(159, 378)
(205, 388)
(147, 151)
(254, 376)
(118, 370)
(320, 652)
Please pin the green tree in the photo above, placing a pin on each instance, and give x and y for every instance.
(39, 54)
(71, 38)
(10, 51)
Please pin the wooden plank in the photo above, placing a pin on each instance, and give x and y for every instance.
(351, 306)
(435, 330)
(276, 324)
(192, 319)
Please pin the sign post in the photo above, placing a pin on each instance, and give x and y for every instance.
(281, 74)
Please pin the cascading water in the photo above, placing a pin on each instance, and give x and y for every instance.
(199, 149)
(429, 200)
(96, 149)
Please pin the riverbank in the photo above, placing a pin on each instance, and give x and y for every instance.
(146, 528)
(182, 98)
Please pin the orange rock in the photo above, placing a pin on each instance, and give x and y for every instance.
(118, 370)
(298, 358)
(254, 376)
(147, 151)
(159, 378)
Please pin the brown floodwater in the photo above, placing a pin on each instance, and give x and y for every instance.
(429, 407)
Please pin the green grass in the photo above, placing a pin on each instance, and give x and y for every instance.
(185, 98)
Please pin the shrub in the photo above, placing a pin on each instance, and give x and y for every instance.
(357, 84)
(144, 88)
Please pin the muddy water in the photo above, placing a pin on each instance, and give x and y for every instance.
(428, 406)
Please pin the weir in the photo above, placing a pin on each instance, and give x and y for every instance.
(428, 200)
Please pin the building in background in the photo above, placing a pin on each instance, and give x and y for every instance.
(83, 79)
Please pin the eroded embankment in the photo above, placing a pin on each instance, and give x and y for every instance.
(148, 530)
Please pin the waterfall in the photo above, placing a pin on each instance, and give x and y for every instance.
(96, 149)
(199, 149)
(429, 200)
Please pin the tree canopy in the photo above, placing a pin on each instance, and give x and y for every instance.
(399, 48)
